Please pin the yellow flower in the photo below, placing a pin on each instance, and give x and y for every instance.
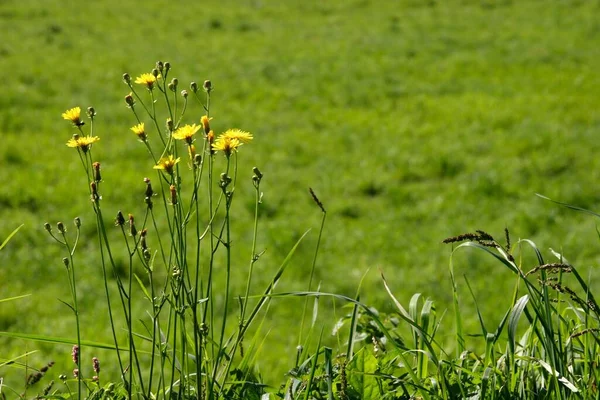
(82, 142)
(167, 163)
(186, 133)
(242, 136)
(147, 79)
(73, 115)
(205, 121)
(140, 132)
(226, 144)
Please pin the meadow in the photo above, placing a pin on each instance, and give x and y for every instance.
(412, 121)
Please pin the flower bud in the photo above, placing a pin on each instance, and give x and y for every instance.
(75, 373)
(75, 354)
(77, 222)
(65, 261)
(143, 244)
(149, 192)
(126, 78)
(167, 66)
(171, 87)
(91, 112)
(184, 94)
(132, 230)
(159, 66)
(129, 100)
(257, 172)
(155, 72)
(147, 255)
(97, 176)
(120, 220)
(197, 159)
(48, 227)
(61, 227)
(173, 191)
(170, 125)
(173, 84)
(194, 87)
(207, 86)
(94, 192)
(96, 365)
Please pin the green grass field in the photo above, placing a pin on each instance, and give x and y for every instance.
(412, 120)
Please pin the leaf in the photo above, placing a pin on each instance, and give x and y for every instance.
(59, 340)
(513, 321)
(361, 376)
(10, 237)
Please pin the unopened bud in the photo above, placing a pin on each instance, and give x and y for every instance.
(129, 100)
(96, 365)
(91, 112)
(194, 87)
(149, 192)
(61, 227)
(257, 172)
(207, 86)
(48, 227)
(184, 94)
(143, 244)
(159, 65)
(167, 66)
(94, 192)
(197, 159)
(155, 72)
(66, 262)
(147, 255)
(170, 126)
(126, 78)
(77, 222)
(75, 354)
(132, 230)
(97, 176)
(120, 220)
(174, 82)
(173, 191)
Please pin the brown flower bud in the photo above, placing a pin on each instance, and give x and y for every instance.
(126, 78)
(173, 191)
(132, 230)
(97, 176)
(207, 86)
(120, 220)
(194, 87)
(129, 100)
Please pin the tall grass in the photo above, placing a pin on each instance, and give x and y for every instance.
(179, 261)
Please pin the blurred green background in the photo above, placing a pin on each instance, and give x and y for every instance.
(412, 120)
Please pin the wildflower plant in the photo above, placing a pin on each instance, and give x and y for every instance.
(182, 240)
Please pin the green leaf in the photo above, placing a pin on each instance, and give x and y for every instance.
(10, 237)
(361, 378)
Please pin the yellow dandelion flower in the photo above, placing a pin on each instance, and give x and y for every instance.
(140, 131)
(167, 163)
(226, 144)
(186, 133)
(205, 121)
(82, 142)
(147, 79)
(73, 115)
(242, 136)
